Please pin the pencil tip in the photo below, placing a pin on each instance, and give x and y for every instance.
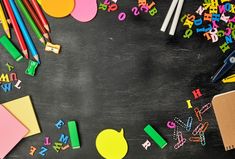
(47, 28)
(26, 55)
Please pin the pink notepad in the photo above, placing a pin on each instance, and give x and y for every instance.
(11, 132)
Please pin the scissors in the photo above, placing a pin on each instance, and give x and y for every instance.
(228, 64)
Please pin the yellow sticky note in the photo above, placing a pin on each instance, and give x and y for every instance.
(23, 110)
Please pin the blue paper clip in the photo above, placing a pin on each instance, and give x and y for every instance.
(228, 64)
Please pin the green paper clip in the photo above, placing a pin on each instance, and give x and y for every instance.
(11, 49)
(155, 136)
(31, 68)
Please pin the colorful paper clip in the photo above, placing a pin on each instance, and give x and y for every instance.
(205, 108)
(204, 128)
(198, 114)
(202, 138)
(195, 139)
(180, 122)
(228, 64)
(181, 140)
(189, 124)
(197, 129)
(229, 79)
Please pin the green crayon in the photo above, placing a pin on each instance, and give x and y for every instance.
(73, 133)
(11, 49)
(31, 68)
(155, 136)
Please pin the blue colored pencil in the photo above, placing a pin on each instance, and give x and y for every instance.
(25, 32)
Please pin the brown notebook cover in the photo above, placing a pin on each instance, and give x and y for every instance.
(224, 108)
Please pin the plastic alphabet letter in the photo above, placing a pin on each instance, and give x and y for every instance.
(135, 10)
(182, 20)
(17, 85)
(144, 9)
(65, 147)
(200, 10)
(7, 87)
(188, 33)
(207, 17)
(32, 150)
(153, 11)
(189, 123)
(216, 17)
(228, 31)
(171, 125)
(205, 108)
(189, 104)
(198, 22)
(13, 77)
(103, 6)
(213, 9)
(59, 124)
(57, 146)
(197, 93)
(9, 67)
(43, 151)
(224, 47)
(112, 7)
(224, 18)
(227, 7)
(47, 141)
(220, 33)
(142, 2)
(188, 23)
(64, 139)
(122, 16)
(222, 1)
(151, 5)
(228, 39)
(4, 78)
(146, 145)
(221, 9)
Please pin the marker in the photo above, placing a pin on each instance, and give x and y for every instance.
(73, 133)
(155, 136)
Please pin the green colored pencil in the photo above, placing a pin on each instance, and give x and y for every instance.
(30, 20)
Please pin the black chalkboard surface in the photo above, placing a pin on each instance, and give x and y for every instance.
(128, 74)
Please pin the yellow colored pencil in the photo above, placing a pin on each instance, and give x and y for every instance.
(4, 22)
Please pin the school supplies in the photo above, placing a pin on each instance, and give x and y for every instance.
(73, 133)
(4, 22)
(25, 32)
(176, 17)
(84, 10)
(228, 64)
(5, 12)
(111, 144)
(224, 108)
(30, 20)
(12, 131)
(11, 49)
(155, 136)
(31, 69)
(40, 14)
(36, 19)
(22, 109)
(52, 47)
(58, 8)
(16, 29)
(229, 79)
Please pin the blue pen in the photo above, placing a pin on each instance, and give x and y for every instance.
(25, 32)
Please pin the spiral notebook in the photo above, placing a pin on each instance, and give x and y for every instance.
(224, 108)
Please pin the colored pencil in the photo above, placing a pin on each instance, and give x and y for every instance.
(40, 14)
(30, 20)
(4, 22)
(25, 32)
(5, 12)
(36, 19)
(16, 28)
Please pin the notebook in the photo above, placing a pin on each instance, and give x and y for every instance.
(23, 110)
(224, 108)
(12, 131)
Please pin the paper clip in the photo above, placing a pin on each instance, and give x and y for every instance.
(175, 133)
(197, 129)
(229, 79)
(198, 114)
(176, 17)
(180, 122)
(195, 139)
(181, 140)
(202, 138)
(204, 128)
(171, 125)
(205, 108)
(189, 124)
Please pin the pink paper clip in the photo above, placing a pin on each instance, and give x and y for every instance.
(181, 140)
(205, 108)
(197, 129)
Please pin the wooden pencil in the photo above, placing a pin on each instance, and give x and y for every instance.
(4, 22)
(5, 12)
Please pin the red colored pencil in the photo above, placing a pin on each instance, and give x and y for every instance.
(16, 28)
(40, 14)
(36, 19)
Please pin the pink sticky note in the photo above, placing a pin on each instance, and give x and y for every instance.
(11, 131)
(84, 10)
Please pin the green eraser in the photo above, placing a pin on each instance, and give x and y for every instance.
(155, 136)
(11, 49)
(73, 133)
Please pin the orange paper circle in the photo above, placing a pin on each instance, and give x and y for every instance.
(58, 8)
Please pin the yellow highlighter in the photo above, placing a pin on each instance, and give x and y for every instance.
(4, 22)
(229, 79)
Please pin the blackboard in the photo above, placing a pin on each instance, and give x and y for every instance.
(128, 74)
